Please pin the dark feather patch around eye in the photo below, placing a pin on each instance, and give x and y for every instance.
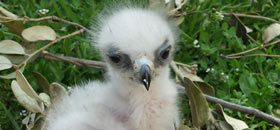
(119, 59)
(162, 53)
(115, 58)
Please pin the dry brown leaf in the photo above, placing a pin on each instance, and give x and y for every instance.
(5, 63)
(11, 47)
(236, 124)
(43, 82)
(188, 73)
(16, 59)
(248, 30)
(57, 93)
(39, 33)
(46, 98)
(26, 87)
(180, 19)
(39, 124)
(199, 107)
(223, 125)
(11, 75)
(271, 32)
(14, 26)
(29, 103)
(205, 87)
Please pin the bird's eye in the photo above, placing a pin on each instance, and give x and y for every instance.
(115, 58)
(164, 54)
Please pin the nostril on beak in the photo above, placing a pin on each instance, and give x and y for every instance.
(145, 73)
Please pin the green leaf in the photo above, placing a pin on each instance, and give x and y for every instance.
(247, 84)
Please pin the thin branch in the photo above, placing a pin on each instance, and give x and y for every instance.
(252, 16)
(251, 55)
(238, 15)
(49, 44)
(54, 18)
(75, 61)
(255, 48)
(230, 105)
(244, 109)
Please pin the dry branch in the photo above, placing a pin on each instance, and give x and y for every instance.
(75, 61)
(250, 50)
(252, 16)
(53, 18)
(48, 45)
(251, 55)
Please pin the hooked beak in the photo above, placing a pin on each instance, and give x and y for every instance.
(145, 73)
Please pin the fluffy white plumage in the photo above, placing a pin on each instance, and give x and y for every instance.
(127, 40)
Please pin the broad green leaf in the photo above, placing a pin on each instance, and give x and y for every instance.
(39, 33)
(26, 87)
(57, 93)
(271, 32)
(28, 102)
(199, 106)
(236, 124)
(10, 47)
(5, 63)
(247, 83)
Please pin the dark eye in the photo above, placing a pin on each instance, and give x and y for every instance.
(115, 58)
(164, 54)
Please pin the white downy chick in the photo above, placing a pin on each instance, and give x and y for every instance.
(137, 44)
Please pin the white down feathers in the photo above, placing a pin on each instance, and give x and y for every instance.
(123, 103)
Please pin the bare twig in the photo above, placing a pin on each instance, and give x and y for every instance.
(252, 16)
(251, 55)
(238, 15)
(49, 44)
(54, 18)
(230, 105)
(75, 61)
(244, 109)
(250, 50)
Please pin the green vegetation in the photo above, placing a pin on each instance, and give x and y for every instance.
(205, 36)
